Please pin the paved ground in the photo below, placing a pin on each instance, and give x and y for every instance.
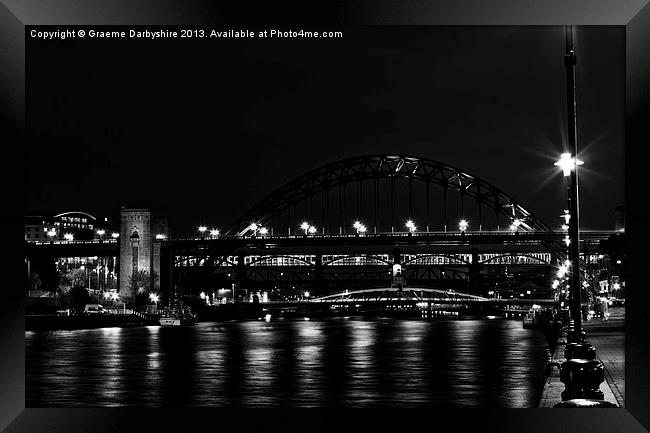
(609, 339)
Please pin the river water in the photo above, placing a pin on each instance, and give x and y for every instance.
(347, 362)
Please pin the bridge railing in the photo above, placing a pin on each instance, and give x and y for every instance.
(80, 242)
(450, 234)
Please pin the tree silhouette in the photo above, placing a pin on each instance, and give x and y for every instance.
(141, 285)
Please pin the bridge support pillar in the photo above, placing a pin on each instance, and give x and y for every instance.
(240, 285)
(474, 273)
(167, 273)
(319, 280)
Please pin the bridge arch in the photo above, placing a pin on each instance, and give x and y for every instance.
(336, 177)
(360, 258)
(426, 259)
(534, 258)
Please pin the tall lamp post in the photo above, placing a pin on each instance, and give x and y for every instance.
(581, 373)
(569, 166)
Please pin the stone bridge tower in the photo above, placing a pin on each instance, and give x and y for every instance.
(141, 233)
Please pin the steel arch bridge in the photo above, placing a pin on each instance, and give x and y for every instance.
(395, 294)
(336, 178)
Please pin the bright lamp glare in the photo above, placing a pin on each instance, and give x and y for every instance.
(410, 225)
(567, 163)
(304, 225)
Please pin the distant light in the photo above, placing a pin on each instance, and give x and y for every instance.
(566, 216)
(202, 228)
(567, 163)
(160, 236)
(115, 235)
(616, 286)
(312, 230)
(565, 227)
(154, 297)
(462, 225)
(555, 283)
(411, 226)
(567, 241)
(306, 294)
(107, 295)
(618, 262)
(214, 232)
(101, 232)
(115, 296)
(356, 224)
(264, 231)
(304, 225)
(68, 236)
(202, 295)
(253, 226)
(267, 317)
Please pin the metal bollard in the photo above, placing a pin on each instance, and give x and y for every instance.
(582, 379)
(580, 351)
(575, 337)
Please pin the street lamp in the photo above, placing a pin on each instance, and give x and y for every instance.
(202, 230)
(51, 233)
(410, 225)
(68, 237)
(101, 233)
(214, 233)
(360, 228)
(312, 230)
(154, 297)
(254, 228)
(515, 224)
(462, 225)
(115, 235)
(264, 231)
(568, 164)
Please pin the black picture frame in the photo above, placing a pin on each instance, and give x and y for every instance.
(633, 14)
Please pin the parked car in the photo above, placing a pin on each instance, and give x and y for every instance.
(94, 309)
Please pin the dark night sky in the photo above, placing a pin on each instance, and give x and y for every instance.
(202, 130)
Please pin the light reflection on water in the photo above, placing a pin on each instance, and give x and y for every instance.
(332, 362)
